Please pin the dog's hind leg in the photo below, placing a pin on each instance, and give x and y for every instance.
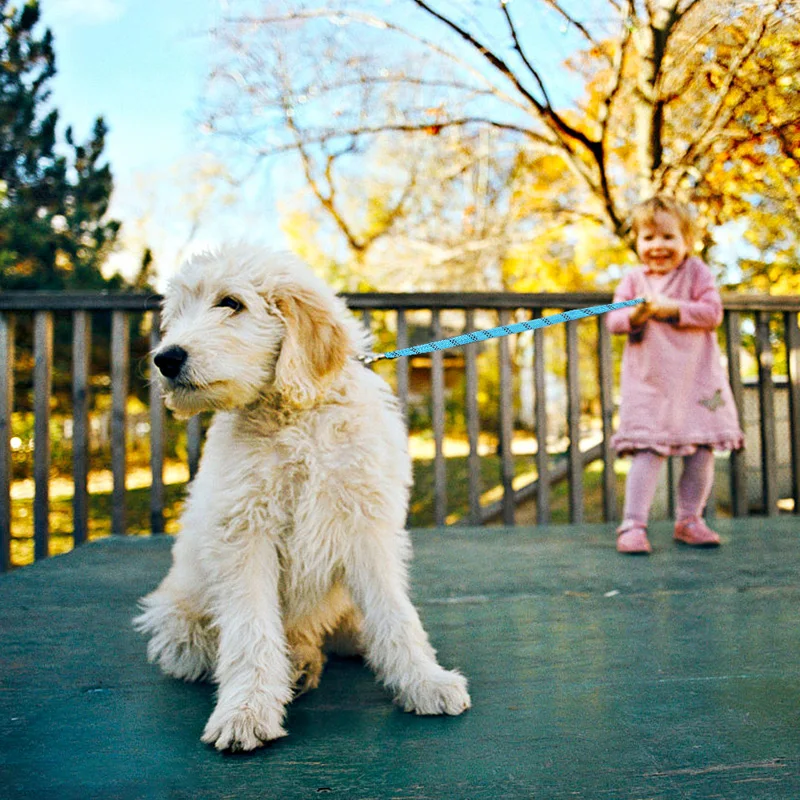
(308, 660)
(334, 627)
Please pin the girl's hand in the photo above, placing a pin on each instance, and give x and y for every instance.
(641, 313)
(664, 309)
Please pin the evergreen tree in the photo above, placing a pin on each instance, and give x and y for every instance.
(53, 228)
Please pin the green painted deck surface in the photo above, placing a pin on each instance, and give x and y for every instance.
(592, 675)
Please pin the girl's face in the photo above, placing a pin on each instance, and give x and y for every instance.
(660, 243)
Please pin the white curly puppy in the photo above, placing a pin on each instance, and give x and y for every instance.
(293, 534)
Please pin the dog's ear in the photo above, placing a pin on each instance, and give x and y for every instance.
(315, 345)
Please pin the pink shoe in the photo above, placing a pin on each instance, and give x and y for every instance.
(632, 538)
(694, 531)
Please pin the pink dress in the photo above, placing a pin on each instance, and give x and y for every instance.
(675, 393)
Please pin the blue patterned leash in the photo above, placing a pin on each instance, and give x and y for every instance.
(503, 330)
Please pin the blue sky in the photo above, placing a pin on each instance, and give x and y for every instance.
(139, 63)
(142, 65)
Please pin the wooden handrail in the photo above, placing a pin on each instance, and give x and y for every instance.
(122, 301)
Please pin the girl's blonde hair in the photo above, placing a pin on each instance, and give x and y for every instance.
(645, 213)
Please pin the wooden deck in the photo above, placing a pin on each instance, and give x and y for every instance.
(593, 675)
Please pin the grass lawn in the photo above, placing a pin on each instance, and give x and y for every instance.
(421, 510)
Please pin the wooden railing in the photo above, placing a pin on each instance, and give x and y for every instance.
(771, 323)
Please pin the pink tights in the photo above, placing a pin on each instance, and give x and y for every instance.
(694, 486)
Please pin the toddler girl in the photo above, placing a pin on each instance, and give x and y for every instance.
(676, 399)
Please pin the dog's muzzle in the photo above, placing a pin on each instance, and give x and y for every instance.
(170, 362)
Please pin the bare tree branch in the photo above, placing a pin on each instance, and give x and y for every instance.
(395, 80)
(326, 199)
(546, 110)
(376, 22)
(518, 47)
(571, 20)
(595, 177)
(565, 132)
(430, 127)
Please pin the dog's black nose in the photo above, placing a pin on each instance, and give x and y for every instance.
(171, 361)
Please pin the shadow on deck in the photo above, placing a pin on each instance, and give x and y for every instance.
(592, 676)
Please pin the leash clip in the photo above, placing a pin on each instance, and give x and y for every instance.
(369, 358)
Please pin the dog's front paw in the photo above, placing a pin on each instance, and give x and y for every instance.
(441, 693)
(243, 727)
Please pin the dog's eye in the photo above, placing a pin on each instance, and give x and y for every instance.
(230, 302)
